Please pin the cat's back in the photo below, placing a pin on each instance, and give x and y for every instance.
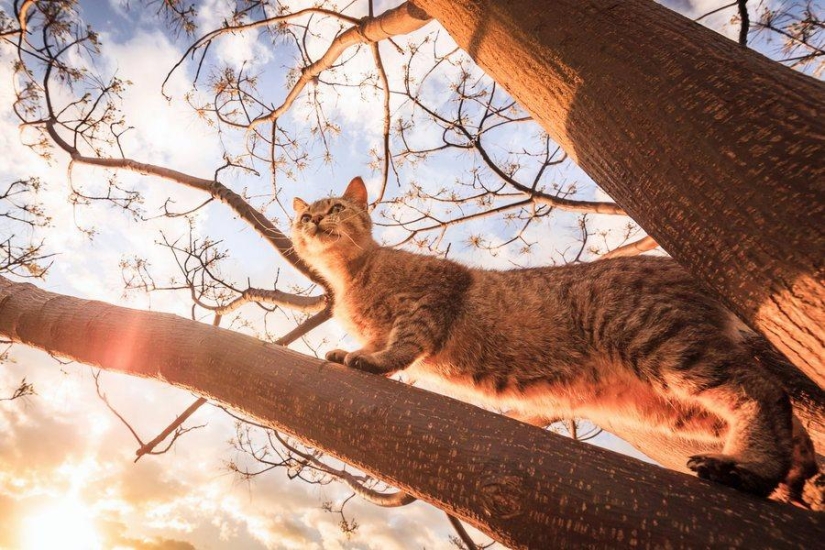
(606, 307)
(593, 288)
(581, 286)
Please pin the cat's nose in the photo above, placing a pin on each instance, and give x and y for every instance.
(317, 219)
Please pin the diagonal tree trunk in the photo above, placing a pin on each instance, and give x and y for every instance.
(716, 151)
(523, 486)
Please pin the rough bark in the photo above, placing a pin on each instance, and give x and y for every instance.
(523, 486)
(716, 151)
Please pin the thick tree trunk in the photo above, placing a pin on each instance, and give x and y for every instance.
(521, 485)
(716, 151)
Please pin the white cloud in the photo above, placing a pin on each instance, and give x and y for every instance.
(239, 49)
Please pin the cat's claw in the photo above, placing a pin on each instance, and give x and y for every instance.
(727, 471)
(363, 362)
(336, 356)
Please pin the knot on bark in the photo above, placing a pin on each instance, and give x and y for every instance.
(361, 28)
(499, 495)
(415, 11)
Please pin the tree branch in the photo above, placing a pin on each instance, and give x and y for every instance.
(385, 165)
(207, 39)
(632, 249)
(23, 390)
(213, 187)
(313, 322)
(148, 447)
(495, 473)
(745, 22)
(404, 19)
(539, 197)
(306, 304)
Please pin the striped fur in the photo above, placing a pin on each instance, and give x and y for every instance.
(629, 340)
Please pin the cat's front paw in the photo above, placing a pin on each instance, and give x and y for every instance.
(365, 362)
(728, 471)
(336, 356)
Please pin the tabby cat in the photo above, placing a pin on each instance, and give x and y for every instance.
(627, 340)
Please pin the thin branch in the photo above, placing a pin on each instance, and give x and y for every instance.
(385, 165)
(23, 390)
(306, 304)
(386, 500)
(462, 533)
(22, 17)
(356, 483)
(536, 196)
(105, 400)
(206, 40)
(404, 19)
(150, 446)
(717, 10)
(215, 188)
(308, 325)
(745, 22)
(632, 249)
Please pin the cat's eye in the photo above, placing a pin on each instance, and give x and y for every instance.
(337, 208)
(305, 218)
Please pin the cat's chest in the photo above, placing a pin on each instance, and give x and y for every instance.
(362, 319)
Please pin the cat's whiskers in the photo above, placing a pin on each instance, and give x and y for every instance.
(361, 248)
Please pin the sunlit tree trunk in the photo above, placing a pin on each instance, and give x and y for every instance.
(716, 151)
(523, 486)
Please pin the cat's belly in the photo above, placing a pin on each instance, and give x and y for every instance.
(616, 401)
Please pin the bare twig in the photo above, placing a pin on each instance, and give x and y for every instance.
(404, 19)
(465, 537)
(717, 10)
(147, 448)
(632, 249)
(308, 325)
(306, 304)
(744, 19)
(144, 447)
(385, 165)
(214, 187)
(23, 390)
(207, 39)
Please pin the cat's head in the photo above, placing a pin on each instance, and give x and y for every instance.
(338, 225)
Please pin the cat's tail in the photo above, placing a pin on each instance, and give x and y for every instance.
(804, 484)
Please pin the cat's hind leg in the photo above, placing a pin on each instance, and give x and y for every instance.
(757, 453)
(803, 467)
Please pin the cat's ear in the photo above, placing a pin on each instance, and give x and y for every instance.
(299, 204)
(357, 192)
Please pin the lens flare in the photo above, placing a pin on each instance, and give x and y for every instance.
(67, 524)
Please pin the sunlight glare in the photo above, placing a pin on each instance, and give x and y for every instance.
(66, 525)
